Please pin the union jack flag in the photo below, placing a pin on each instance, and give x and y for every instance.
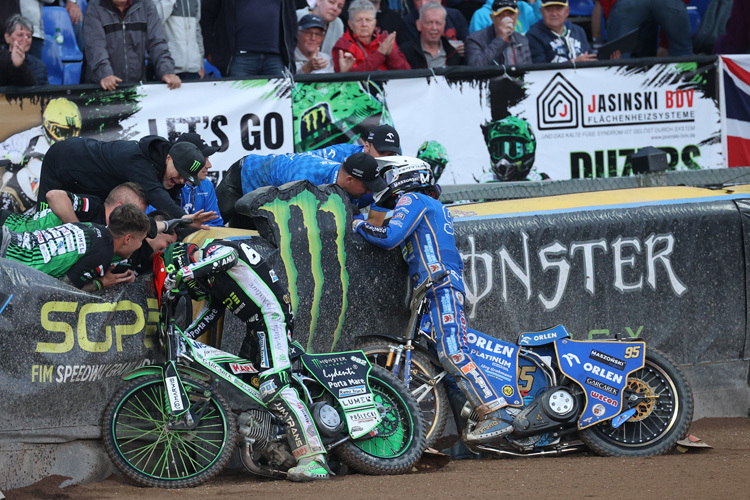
(736, 87)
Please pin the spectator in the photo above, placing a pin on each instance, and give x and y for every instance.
(201, 196)
(309, 56)
(528, 14)
(499, 43)
(83, 251)
(182, 29)
(17, 65)
(671, 15)
(329, 11)
(86, 166)
(555, 39)
(362, 49)
(262, 43)
(118, 34)
(63, 207)
(433, 50)
(456, 27)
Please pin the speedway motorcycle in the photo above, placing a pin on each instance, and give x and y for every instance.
(615, 397)
(172, 427)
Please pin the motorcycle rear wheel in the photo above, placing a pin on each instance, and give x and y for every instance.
(141, 446)
(663, 416)
(435, 407)
(401, 433)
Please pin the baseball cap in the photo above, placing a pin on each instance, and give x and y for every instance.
(188, 160)
(311, 21)
(547, 3)
(499, 6)
(385, 138)
(365, 168)
(196, 139)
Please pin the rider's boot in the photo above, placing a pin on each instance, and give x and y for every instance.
(309, 468)
(491, 425)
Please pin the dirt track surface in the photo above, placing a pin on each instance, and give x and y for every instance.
(719, 473)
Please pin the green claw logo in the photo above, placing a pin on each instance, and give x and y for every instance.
(328, 113)
(303, 215)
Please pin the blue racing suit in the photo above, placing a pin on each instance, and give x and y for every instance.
(313, 166)
(423, 228)
(337, 152)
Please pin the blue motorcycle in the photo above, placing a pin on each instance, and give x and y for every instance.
(615, 397)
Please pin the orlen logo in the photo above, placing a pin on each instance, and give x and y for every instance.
(559, 105)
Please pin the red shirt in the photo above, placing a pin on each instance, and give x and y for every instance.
(367, 57)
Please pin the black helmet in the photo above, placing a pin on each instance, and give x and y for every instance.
(404, 174)
(512, 147)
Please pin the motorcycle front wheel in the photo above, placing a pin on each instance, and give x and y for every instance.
(663, 416)
(142, 446)
(433, 401)
(400, 436)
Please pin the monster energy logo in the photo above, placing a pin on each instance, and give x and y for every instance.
(195, 166)
(314, 119)
(311, 207)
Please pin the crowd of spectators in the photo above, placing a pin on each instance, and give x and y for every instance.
(129, 41)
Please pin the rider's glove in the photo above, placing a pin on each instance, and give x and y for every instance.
(185, 275)
(174, 223)
(356, 223)
(15, 157)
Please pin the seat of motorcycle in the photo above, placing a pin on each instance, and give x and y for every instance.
(544, 337)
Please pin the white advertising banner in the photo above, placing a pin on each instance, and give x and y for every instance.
(588, 121)
(571, 123)
(450, 113)
(242, 117)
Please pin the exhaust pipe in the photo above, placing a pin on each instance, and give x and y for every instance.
(246, 456)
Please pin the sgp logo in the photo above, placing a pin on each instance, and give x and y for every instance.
(559, 105)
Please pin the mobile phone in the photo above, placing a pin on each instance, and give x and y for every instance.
(121, 267)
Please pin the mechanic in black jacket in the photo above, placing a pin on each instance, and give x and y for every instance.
(87, 166)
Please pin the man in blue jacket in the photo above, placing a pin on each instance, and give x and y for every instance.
(423, 228)
(201, 196)
(554, 39)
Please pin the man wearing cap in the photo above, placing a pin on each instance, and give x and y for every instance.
(329, 11)
(555, 39)
(201, 196)
(308, 56)
(320, 166)
(499, 43)
(87, 166)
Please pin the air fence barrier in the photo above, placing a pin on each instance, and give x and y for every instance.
(667, 263)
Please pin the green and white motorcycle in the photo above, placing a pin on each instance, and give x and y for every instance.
(171, 427)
